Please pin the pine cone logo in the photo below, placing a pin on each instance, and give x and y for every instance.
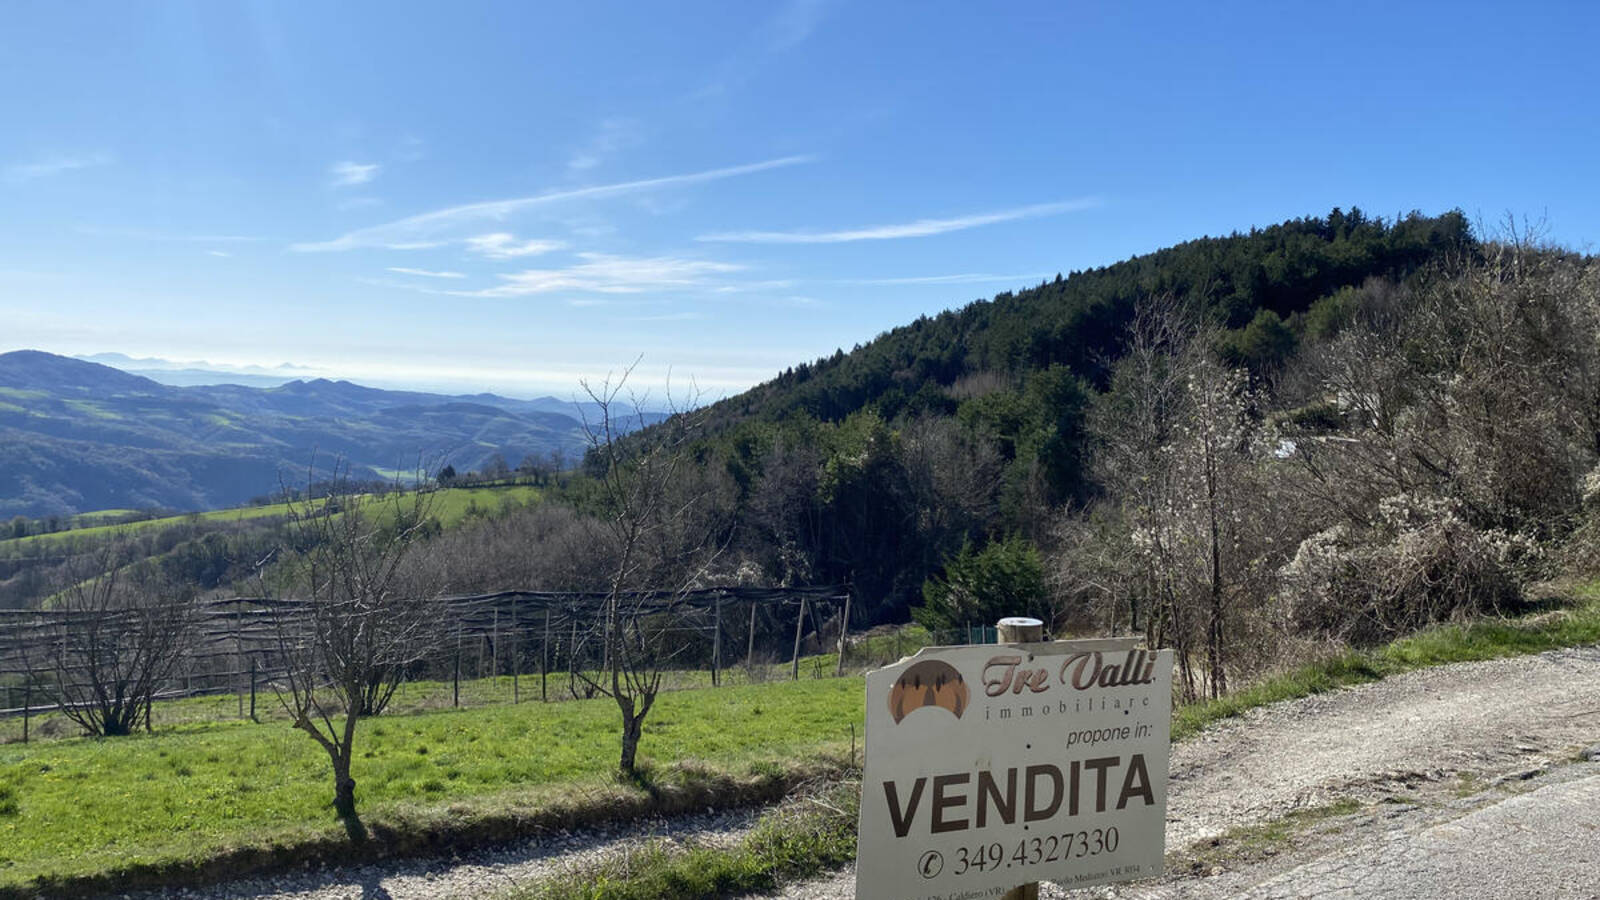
(928, 683)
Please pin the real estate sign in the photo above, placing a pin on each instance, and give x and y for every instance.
(992, 766)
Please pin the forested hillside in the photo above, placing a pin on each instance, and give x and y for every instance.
(1330, 430)
(874, 466)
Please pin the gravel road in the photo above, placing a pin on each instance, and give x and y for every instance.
(1491, 719)
(485, 872)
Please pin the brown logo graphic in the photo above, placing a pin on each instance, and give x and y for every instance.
(928, 683)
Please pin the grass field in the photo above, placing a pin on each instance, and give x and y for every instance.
(413, 696)
(81, 807)
(450, 506)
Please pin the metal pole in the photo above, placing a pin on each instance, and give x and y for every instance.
(1021, 631)
(799, 627)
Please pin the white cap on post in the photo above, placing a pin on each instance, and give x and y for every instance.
(1020, 630)
(1021, 622)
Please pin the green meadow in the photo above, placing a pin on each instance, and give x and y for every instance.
(85, 808)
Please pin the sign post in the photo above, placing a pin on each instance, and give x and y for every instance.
(991, 766)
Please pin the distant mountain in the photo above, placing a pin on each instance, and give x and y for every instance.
(80, 436)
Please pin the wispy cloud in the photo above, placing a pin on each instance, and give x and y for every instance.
(425, 273)
(792, 23)
(350, 174)
(964, 278)
(795, 22)
(919, 228)
(420, 228)
(613, 135)
(502, 245)
(220, 253)
(602, 273)
(667, 317)
(55, 165)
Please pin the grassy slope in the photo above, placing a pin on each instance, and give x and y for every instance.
(84, 807)
(450, 506)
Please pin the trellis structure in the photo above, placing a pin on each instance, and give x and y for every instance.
(236, 646)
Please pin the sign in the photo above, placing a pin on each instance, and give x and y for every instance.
(992, 766)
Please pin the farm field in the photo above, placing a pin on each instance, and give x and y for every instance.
(77, 808)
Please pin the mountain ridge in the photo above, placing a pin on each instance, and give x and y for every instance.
(82, 435)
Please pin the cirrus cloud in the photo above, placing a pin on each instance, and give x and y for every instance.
(919, 228)
(602, 273)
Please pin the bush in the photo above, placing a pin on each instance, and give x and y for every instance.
(1005, 578)
(1420, 562)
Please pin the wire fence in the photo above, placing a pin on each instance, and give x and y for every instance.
(487, 648)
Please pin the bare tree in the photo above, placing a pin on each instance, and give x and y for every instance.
(663, 541)
(347, 640)
(119, 635)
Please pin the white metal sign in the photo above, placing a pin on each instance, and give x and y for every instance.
(992, 766)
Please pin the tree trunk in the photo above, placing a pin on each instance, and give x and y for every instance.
(632, 727)
(344, 789)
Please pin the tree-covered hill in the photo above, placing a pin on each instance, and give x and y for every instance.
(877, 465)
(1079, 321)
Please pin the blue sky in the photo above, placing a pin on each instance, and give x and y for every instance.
(513, 196)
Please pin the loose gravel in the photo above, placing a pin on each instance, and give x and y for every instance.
(478, 873)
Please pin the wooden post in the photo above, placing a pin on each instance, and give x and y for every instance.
(27, 703)
(799, 628)
(544, 660)
(1021, 631)
(572, 649)
(750, 645)
(494, 648)
(516, 658)
(716, 644)
(844, 634)
(238, 656)
(253, 689)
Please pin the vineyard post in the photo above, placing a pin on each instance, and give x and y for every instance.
(238, 655)
(716, 644)
(799, 628)
(253, 688)
(516, 657)
(844, 634)
(27, 703)
(750, 647)
(544, 660)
